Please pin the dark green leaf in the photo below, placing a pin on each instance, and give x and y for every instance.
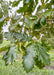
(36, 2)
(41, 53)
(47, 1)
(38, 63)
(43, 20)
(46, 44)
(15, 3)
(37, 25)
(22, 9)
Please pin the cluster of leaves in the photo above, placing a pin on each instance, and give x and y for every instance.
(21, 37)
(39, 63)
(35, 54)
(10, 55)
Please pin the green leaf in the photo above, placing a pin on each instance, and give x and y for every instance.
(2, 19)
(47, 1)
(28, 22)
(47, 13)
(48, 6)
(43, 20)
(38, 63)
(1, 13)
(36, 2)
(28, 58)
(42, 1)
(9, 36)
(15, 3)
(52, 2)
(21, 37)
(5, 47)
(45, 43)
(28, 7)
(37, 25)
(28, 62)
(15, 24)
(30, 51)
(41, 53)
(2, 22)
(22, 9)
(17, 17)
(10, 55)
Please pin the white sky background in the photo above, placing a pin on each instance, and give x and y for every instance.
(5, 28)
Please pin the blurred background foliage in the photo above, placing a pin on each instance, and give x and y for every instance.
(35, 34)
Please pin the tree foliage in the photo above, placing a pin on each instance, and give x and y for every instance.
(34, 50)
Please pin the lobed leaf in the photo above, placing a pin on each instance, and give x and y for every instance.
(28, 62)
(41, 53)
(10, 55)
(21, 37)
(30, 51)
(9, 36)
